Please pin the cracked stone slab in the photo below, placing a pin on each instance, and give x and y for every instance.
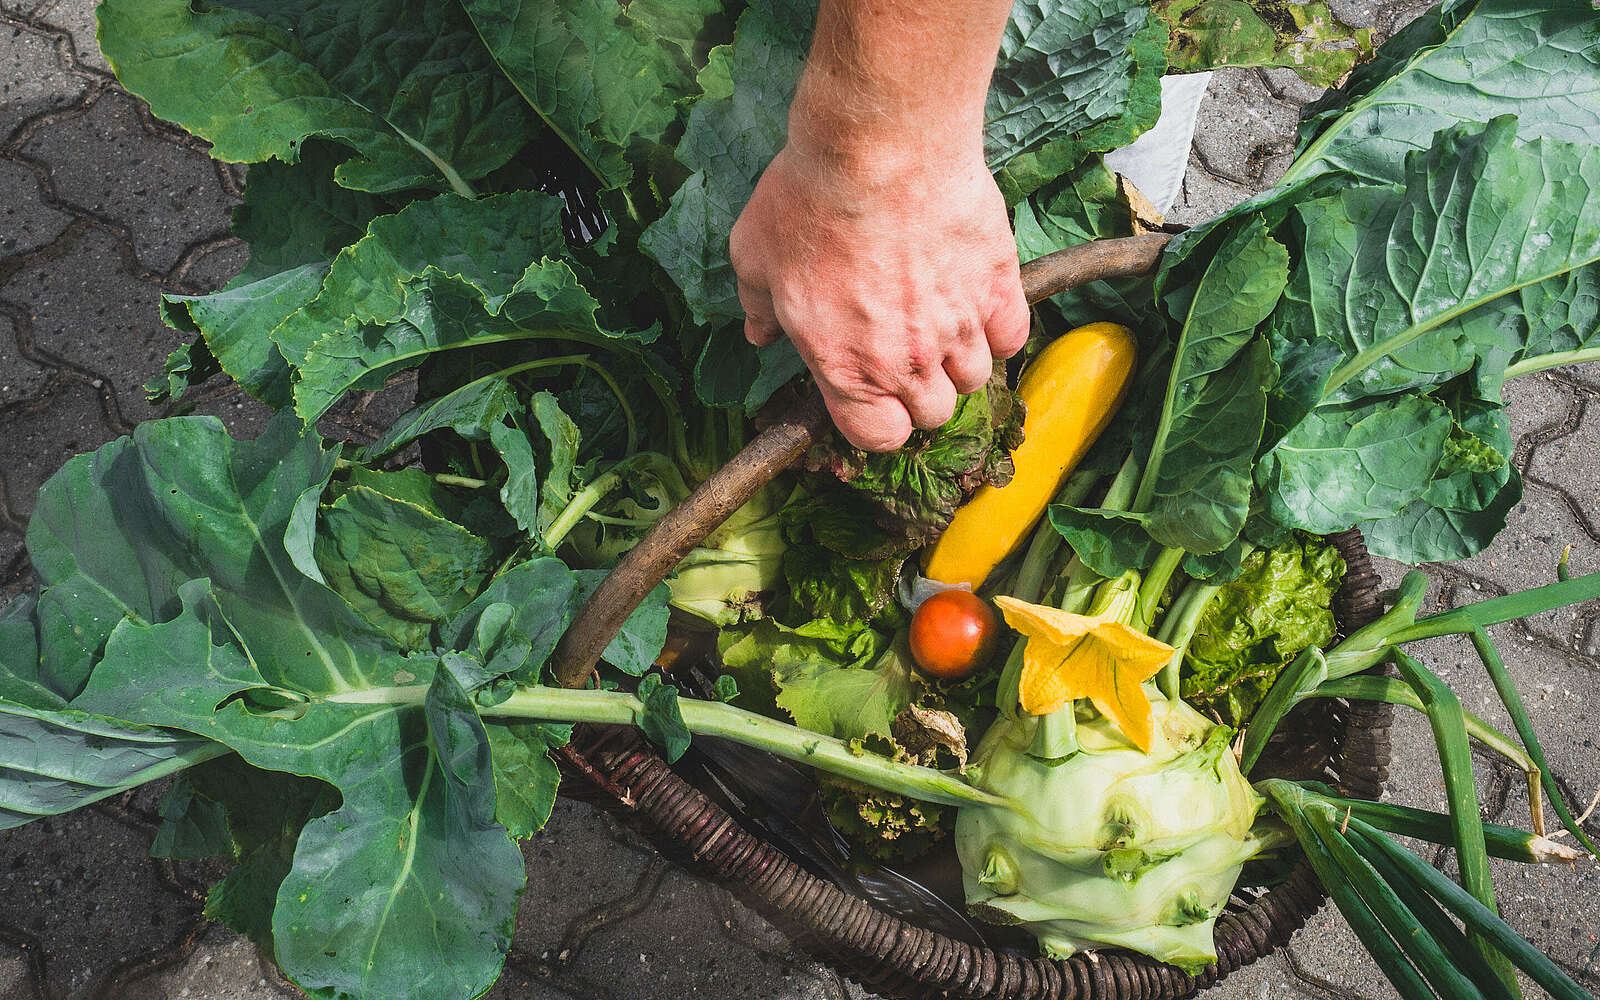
(26, 223)
(32, 79)
(222, 966)
(82, 886)
(76, 18)
(166, 196)
(84, 307)
(20, 378)
(68, 421)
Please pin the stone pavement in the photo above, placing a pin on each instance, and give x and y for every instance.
(102, 208)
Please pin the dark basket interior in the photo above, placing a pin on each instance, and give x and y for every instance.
(1346, 745)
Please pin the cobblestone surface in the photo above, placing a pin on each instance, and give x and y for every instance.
(102, 209)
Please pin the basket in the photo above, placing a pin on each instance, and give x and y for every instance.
(1346, 745)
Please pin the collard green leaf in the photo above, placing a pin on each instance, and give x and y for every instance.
(525, 776)
(403, 566)
(1539, 61)
(1425, 531)
(21, 678)
(117, 531)
(1083, 73)
(662, 720)
(59, 759)
(1109, 542)
(409, 888)
(1306, 37)
(472, 411)
(520, 491)
(643, 633)
(1196, 483)
(542, 594)
(1354, 462)
(404, 83)
(439, 275)
(598, 76)
(192, 825)
(297, 213)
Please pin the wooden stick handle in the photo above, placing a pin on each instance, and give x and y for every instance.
(777, 448)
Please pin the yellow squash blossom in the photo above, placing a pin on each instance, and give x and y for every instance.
(1097, 657)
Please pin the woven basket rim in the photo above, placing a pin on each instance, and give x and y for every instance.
(897, 959)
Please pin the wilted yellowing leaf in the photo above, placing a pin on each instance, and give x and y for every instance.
(1072, 656)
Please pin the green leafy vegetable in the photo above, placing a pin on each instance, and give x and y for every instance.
(1280, 604)
(1305, 37)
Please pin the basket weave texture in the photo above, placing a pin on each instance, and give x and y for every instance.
(1346, 745)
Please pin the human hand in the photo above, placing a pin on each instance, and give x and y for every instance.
(894, 275)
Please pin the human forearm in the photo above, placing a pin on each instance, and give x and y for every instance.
(896, 77)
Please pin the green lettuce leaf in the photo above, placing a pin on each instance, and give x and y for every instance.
(1280, 604)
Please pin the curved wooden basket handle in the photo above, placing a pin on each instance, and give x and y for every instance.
(777, 448)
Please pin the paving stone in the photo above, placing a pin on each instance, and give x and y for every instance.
(76, 17)
(14, 578)
(20, 378)
(38, 439)
(1525, 554)
(166, 195)
(574, 866)
(1203, 196)
(215, 268)
(83, 887)
(1586, 375)
(26, 223)
(679, 948)
(32, 79)
(1327, 961)
(1569, 459)
(242, 415)
(222, 966)
(1243, 134)
(13, 975)
(1538, 406)
(86, 308)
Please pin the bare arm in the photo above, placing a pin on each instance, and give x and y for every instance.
(877, 240)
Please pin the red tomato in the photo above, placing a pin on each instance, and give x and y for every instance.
(952, 634)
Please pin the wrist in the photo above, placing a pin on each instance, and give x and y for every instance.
(837, 133)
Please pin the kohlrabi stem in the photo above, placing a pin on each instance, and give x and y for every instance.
(1178, 628)
(1030, 582)
(1154, 585)
(585, 499)
(1120, 493)
(710, 718)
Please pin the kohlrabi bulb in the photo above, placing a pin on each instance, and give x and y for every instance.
(1122, 848)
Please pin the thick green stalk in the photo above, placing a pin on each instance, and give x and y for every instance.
(1154, 586)
(712, 718)
(1046, 541)
(585, 499)
(1178, 628)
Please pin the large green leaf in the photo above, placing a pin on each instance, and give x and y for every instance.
(1354, 462)
(1425, 532)
(402, 565)
(406, 84)
(1538, 60)
(438, 275)
(295, 220)
(599, 77)
(409, 888)
(1197, 481)
(1081, 76)
(57, 760)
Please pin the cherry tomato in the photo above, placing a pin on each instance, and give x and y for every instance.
(952, 634)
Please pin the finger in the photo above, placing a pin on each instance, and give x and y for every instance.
(931, 403)
(760, 321)
(969, 364)
(1007, 328)
(878, 423)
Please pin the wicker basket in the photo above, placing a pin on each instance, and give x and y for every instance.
(1345, 745)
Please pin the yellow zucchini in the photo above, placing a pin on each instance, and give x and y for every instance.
(1071, 391)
